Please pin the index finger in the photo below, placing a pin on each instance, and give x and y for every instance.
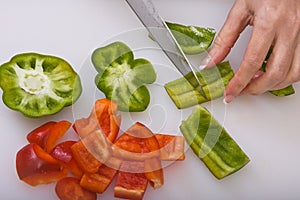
(238, 18)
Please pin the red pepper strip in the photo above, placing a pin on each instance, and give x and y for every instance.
(130, 185)
(85, 160)
(154, 172)
(99, 181)
(35, 166)
(69, 189)
(137, 143)
(171, 147)
(56, 132)
(40, 134)
(63, 153)
(103, 116)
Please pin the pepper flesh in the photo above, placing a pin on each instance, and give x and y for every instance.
(213, 80)
(122, 78)
(192, 39)
(212, 143)
(38, 85)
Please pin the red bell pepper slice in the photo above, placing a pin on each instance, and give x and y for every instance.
(63, 153)
(103, 116)
(56, 133)
(98, 182)
(69, 189)
(130, 185)
(154, 172)
(40, 134)
(137, 143)
(35, 166)
(85, 160)
(171, 147)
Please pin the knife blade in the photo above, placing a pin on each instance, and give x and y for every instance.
(156, 26)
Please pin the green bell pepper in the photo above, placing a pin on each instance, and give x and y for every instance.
(212, 143)
(192, 39)
(289, 90)
(214, 81)
(122, 78)
(38, 85)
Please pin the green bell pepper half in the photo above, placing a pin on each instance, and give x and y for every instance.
(214, 81)
(38, 85)
(122, 78)
(212, 143)
(289, 90)
(191, 39)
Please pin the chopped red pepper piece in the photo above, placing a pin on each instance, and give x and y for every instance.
(40, 134)
(154, 172)
(35, 166)
(137, 143)
(69, 189)
(85, 160)
(103, 116)
(131, 185)
(98, 182)
(63, 153)
(171, 147)
(56, 132)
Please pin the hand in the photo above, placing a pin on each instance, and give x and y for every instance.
(275, 23)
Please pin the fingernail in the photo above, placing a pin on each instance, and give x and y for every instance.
(228, 99)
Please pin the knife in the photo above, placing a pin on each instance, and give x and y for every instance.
(156, 26)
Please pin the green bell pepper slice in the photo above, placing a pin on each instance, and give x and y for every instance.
(214, 80)
(191, 39)
(38, 85)
(289, 90)
(122, 78)
(212, 143)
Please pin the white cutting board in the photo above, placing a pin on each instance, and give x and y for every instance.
(266, 127)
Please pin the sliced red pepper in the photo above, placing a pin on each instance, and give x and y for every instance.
(35, 166)
(171, 147)
(40, 134)
(85, 160)
(69, 189)
(103, 116)
(154, 172)
(63, 153)
(137, 143)
(56, 132)
(130, 185)
(98, 182)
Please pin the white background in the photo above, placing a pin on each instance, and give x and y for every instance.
(266, 127)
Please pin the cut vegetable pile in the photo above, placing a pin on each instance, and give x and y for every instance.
(99, 156)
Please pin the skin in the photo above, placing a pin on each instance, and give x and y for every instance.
(275, 23)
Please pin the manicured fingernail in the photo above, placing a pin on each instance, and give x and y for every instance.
(228, 98)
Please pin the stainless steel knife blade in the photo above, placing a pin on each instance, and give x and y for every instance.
(148, 15)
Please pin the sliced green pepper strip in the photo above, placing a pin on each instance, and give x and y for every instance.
(38, 85)
(192, 39)
(212, 143)
(122, 78)
(214, 81)
(289, 90)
